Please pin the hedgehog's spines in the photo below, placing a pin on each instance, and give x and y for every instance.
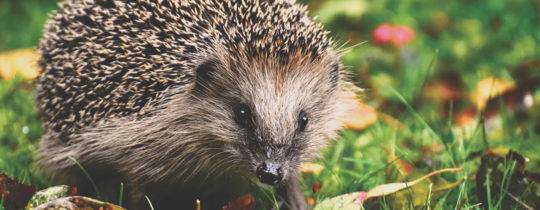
(116, 56)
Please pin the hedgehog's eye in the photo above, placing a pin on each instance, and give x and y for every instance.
(303, 120)
(242, 115)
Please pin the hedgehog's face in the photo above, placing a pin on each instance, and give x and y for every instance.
(272, 116)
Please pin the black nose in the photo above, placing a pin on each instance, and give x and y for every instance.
(269, 173)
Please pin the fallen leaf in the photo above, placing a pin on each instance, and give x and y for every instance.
(513, 99)
(78, 202)
(14, 194)
(360, 115)
(21, 61)
(311, 168)
(316, 187)
(421, 191)
(362, 197)
(387, 189)
(357, 199)
(49, 194)
(465, 117)
(246, 202)
(311, 201)
(497, 151)
(342, 202)
(488, 88)
(515, 187)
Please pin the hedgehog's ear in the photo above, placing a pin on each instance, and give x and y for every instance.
(204, 74)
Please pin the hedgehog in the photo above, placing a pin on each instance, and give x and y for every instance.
(186, 99)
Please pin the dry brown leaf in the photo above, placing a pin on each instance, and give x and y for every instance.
(465, 117)
(311, 201)
(14, 195)
(316, 187)
(520, 189)
(22, 62)
(246, 202)
(49, 194)
(78, 202)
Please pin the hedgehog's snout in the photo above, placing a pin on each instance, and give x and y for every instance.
(270, 173)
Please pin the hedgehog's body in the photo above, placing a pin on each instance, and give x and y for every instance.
(154, 93)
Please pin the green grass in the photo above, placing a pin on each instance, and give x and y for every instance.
(358, 161)
(20, 129)
(460, 42)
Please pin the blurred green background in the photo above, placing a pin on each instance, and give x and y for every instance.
(446, 84)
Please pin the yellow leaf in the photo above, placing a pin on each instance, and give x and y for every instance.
(387, 189)
(488, 88)
(311, 168)
(499, 151)
(22, 62)
(355, 200)
(427, 189)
